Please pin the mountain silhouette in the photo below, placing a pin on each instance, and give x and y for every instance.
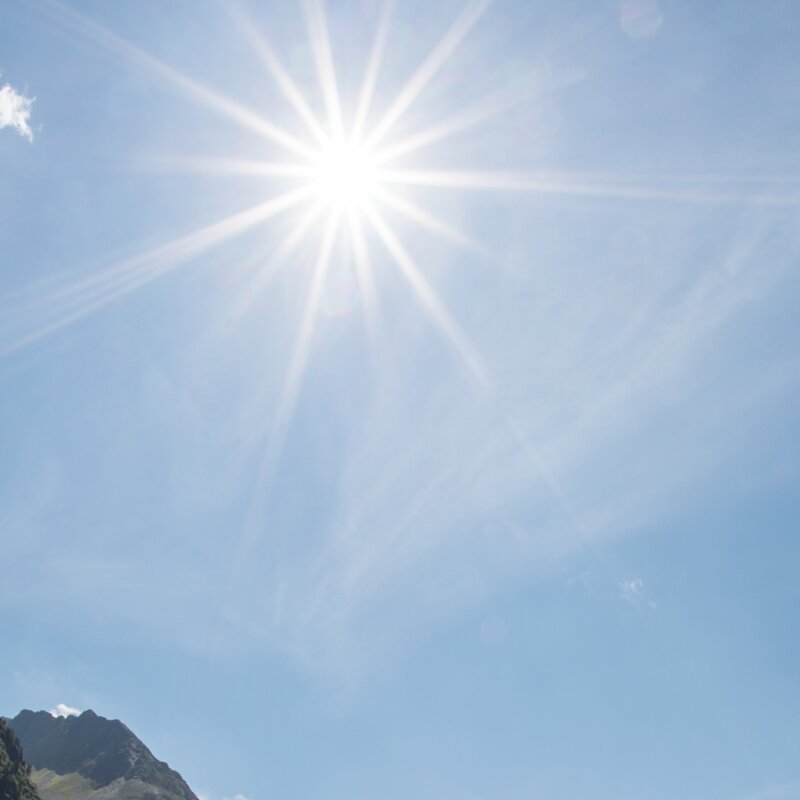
(89, 757)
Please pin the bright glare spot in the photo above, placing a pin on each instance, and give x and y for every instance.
(345, 175)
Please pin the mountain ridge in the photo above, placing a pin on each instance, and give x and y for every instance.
(87, 756)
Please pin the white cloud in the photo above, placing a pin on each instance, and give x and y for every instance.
(62, 710)
(15, 111)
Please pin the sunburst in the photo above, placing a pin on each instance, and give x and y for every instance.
(345, 173)
(343, 169)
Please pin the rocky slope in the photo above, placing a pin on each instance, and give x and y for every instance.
(15, 783)
(93, 758)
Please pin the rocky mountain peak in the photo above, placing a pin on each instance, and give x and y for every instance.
(103, 751)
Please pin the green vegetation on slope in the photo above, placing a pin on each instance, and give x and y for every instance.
(74, 786)
(53, 786)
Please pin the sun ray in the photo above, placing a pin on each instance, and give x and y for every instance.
(284, 82)
(299, 230)
(371, 72)
(303, 343)
(427, 220)
(96, 33)
(323, 58)
(552, 183)
(94, 292)
(458, 123)
(287, 246)
(256, 515)
(577, 528)
(429, 68)
(428, 298)
(187, 245)
(210, 165)
(363, 270)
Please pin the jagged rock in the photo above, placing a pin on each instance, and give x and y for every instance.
(90, 757)
(15, 782)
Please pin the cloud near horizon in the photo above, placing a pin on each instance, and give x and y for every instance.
(62, 710)
(15, 111)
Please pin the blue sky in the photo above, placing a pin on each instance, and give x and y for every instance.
(514, 517)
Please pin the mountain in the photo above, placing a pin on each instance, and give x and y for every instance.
(93, 758)
(15, 783)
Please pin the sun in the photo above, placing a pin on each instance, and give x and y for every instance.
(345, 176)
